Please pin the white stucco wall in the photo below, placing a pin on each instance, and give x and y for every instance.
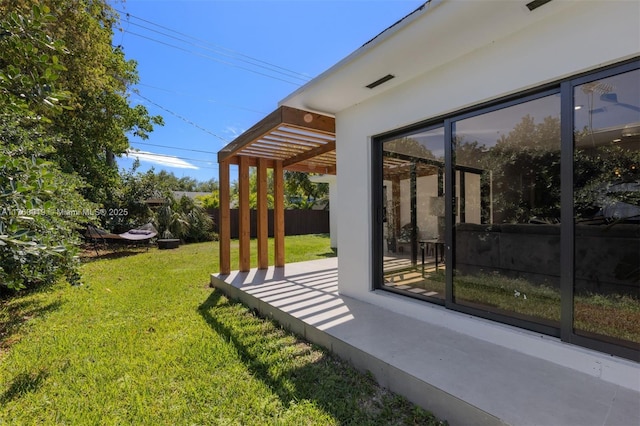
(333, 211)
(582, 37)
(333, 205)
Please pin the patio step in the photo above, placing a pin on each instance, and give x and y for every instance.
(461, 376)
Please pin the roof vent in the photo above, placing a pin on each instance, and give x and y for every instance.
(380, 81)
(536, 4)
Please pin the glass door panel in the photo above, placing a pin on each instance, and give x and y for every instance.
(413, 218)
(507, 210)
(607, 209)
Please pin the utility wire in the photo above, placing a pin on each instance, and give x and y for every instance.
(128, 15)
(173, 92)
(199, 46)
(186, 120)
(134, 153)
(173, 147)
(202, 55)
(154, 154)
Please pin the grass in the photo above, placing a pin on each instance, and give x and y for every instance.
(146, 341)
(615, 316)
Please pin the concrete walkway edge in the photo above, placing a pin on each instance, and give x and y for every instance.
(442, 404)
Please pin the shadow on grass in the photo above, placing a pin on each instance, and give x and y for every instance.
(91, 255)
(15, 312)
(22, 384)
(309, 382)
(332, 253)
(330, 383)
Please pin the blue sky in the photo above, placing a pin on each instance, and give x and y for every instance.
(213, 69)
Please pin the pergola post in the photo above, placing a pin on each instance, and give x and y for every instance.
(395, 196)
(224, 224)
(288, 138)
(278, 213)
(244, 222)
(263, 215)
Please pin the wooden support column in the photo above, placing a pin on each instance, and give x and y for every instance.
(224, 220)
(395, 196)
(278, 213)
(263, 216)
(244, 222)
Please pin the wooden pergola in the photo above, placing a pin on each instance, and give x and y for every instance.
(286, 139)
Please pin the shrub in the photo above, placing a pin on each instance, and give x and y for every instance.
(40, 214)
(186, 220)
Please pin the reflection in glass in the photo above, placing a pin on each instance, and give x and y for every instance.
(507, 232)
(413, 188)
(607, 209)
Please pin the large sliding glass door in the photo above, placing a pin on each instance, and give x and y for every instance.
(507, 231)
(525, 211)
(413, 219)
(606, 166)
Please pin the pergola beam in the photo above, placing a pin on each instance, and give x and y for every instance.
(325, 170)
(292, 117)
(290, 139)
(251, 161)
(330, 146)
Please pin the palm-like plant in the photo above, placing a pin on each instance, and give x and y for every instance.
(171, 224)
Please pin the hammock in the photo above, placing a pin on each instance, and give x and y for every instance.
(143, 233)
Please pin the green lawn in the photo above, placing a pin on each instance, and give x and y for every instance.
(146, 341)
(613, 315)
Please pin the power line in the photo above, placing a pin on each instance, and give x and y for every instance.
(173, 92)
(303, 76)
(202, 55)
(174, 147)
(154, 154)
(186, 120)
(290, 74)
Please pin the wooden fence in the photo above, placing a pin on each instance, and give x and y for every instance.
(296, 222)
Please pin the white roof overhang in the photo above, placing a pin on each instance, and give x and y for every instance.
(433, 35)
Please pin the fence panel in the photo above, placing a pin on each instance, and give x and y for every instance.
(296, 222)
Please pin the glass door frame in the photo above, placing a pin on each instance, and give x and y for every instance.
(378, 200)
(567, 230)
(450, 170)
(565, 90)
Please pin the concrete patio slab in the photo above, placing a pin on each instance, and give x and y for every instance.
(464, 369)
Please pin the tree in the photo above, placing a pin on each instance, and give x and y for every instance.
(209, 201)
(253, 190)
(185, 183)
(408, 146)
(40, 205)
(131, 197)
(184, 219)
(525, 171)
(210, 185)
(97, 77)
(29, 67)
(301, 193)
(199, 224)
(64, 115)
